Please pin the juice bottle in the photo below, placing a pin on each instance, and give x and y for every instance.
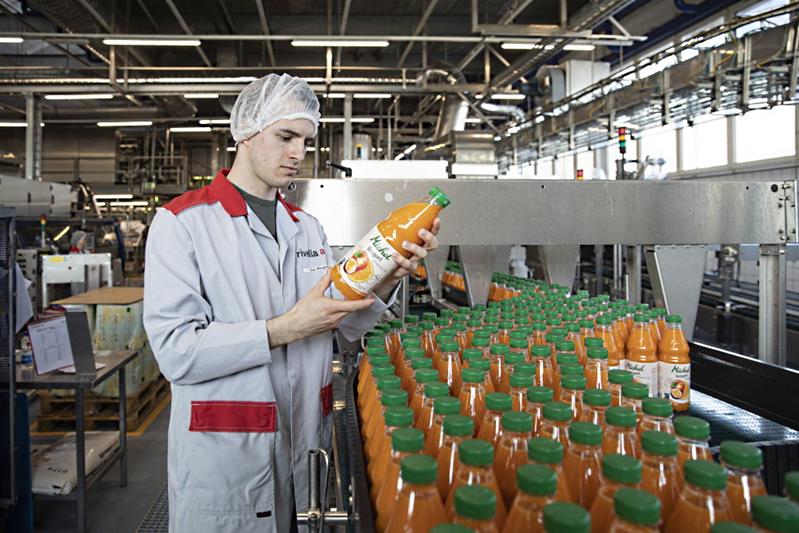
(565, 347)
(484, 366)
(512, 451)
(620, 434)
(744, 463)
(636, 511)
(404, 442)
(555, 425)
(772, 513)
(583, 461)
(703, 501)
(571, 393)
(446, 335)
(367, 359)
(480, 342)
(450, 366)
(674, 382)
(519, 344)
(472, 325)
(657, 416)
(618, 471)
(536, 398)
(730, 527)
(792, 486)
(471, 354)
(661, 472)
(604, 331)
(595, 405)
(621, 328)
(418, 506)
(586, 329)
(460, 334)
(496, 354)
(475, 508)
(428, 337)
(632, 396)
(642, 359)
(565, 361)
(414, 359)
(552, 339)
(390, 398)
(423, 377)
(395, 418)
(693, 435)
(371, 260)
(596, 368)
(539, 336)
(432, 391)
(476, 468)
(374, 409)
(537, 485)
(520, 381)
(617, 379)
(573, 334)
(508, 361)
(539, 355)
(442, 408)
(505, 327)
(457, 428)
(660, 318)
(366, 400)
(560, 517)
(473, 395)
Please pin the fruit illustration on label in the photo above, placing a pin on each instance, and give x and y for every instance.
(358, 267)
(679, 389)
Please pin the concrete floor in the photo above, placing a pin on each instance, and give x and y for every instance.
(111, 508)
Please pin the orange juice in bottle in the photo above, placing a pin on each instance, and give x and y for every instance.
(372, 260)
(484, 366)
(544, 375)
(520, 381)
(773, 514)
(374, 408)
(582, 462)
(744, 463)
(379, 370)
(560, 517)
(574, 336)
(393, 338)
(617, 379)
(657, 416)
(395, 418)
(539, 336)
(511, 451)
(693, 435)
(457, 428)
(497, 403)
(537, 485)
(389, 399)
(508, 361)
(596, 368)
(473, 324)
(476, 468)
(505, 327)
(496, 354)
(432, 391)
(620, 433)
(636, 511)
(469, 355)
(536, 398)
(404, 442)
(548, 452)
(555, 424)
(642, 359)
(586, 329)
(661, 472)
(595, 405)
(428, 338)
(674, 365)
(703, 501)
(422, 378)
(434, 438)
(610, 340)
(519, 344)
(633, 396)
(571, 393)
(473, 395)
(618, 471)
(475, 508)
(481, 342)
(450, 368)
(374, 348)
(418, 506)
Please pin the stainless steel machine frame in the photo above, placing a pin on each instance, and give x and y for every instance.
(93, 270)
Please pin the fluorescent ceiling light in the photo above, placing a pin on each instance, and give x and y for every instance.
(124, 123)
(579, 47)
(473, 120)
(508, 96)
(152, 42)
(340, 120)
(340, 43)
(11, 40)
(113, 196)
(333, 95)
(98, 96)
(519, 46)
(372, 95)
(13, 124)
(198, 96)
(214, 121)
(231, 148)
(134, 203)
(191, 129)
(220, 79)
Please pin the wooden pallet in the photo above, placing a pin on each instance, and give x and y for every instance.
(102, 412)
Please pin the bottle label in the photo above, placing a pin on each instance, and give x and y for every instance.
(646, 373)
(675, 382)
(367, 263)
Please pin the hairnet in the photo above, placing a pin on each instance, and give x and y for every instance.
(269, 99)
(76, 237)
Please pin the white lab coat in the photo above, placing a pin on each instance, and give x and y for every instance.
(243, 416)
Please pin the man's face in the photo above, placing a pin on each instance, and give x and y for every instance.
(276, 152)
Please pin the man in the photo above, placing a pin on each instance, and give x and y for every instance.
(240, 321)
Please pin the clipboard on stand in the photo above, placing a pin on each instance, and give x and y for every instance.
(61, 342)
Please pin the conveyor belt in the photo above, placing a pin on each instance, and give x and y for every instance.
(157, 518)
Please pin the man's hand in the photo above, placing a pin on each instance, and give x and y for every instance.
(314, 313)
(407, 265)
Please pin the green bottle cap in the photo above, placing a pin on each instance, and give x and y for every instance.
(458, 426)
(594, 342)
(517, 421)
(420, 469)
(706, 474)
(537, 480)
(567, 358)
(776, 514)
(386, 383)
(498, 401)
(393, 397)
(597, 353)
(557, 411)
(472, 353)
(398, 416)
(792, 485)
(421, 362)
(659, 443)
(741, 455)
(673, 319)
(604, 320)
(480, 342)
(446, 405)
(442, 321)
(730, 527)
(475, 502)
(540, 350)
(564, 346)
(411, 344)
(528, 369)
(426, 375)
(659, 407)
(519, 344)
(476, 452)
(585, 433)
(561, 517)
(480, 364)
(621, 416)
(640, 318)
(436, 390)
(513, 358)
(692, 428)
(449, 346)
(506, 324)
(620, 377)
(472, 375)
(624, 469)
(596, 397)
(544, 450)
(499, 349)
(474, 322)
(521, 380)
(407, 440)
(635, 391)
(637, 506)
(571, 369)
(429, 315)
(538, 394)
(395, 324)
(573, 382)
(383, 370)
(438, 196)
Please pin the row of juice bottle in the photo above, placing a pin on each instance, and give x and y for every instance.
(453, 276)
(396, 368)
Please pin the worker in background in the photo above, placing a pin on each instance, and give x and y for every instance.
(239, 311)
(77, 243)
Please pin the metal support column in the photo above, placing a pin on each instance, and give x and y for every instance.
(559, 262)
(347, 141)
(599, 260)
(33, 137)
(618, 282)
(771, 319)
(634, 274)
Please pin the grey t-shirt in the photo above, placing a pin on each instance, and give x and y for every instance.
(264, 209)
